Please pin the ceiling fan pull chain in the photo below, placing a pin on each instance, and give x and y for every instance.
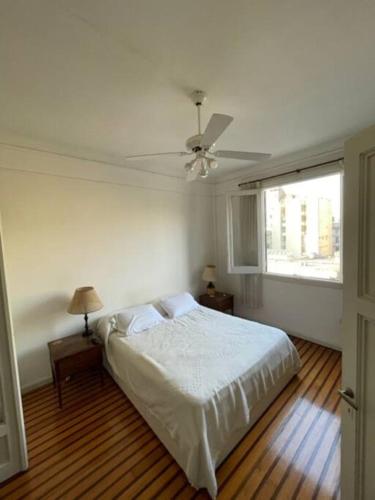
(199, 117)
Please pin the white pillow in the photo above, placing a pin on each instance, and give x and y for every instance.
(179, 304)
(134, 320)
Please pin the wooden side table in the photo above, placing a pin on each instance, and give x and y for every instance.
(220, 301)
(71, 355)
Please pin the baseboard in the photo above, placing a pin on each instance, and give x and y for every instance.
(314, 341)
(35, 385)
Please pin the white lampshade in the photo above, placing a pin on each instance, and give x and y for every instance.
(85, 300)
(209, 273)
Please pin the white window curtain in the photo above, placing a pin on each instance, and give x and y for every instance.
(251, 284)
(252, 290)
(245, 236)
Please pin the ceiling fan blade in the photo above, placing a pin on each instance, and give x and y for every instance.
(242, 155)
(215, 127)
(154, 155)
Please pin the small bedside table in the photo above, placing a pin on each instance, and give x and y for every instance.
(72, 355)
(220, 301)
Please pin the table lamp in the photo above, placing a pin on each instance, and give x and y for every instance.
(85, 300)
(209, 275)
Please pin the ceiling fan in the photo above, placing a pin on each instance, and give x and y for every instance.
(202, 145)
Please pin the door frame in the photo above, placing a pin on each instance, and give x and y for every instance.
(12, 424)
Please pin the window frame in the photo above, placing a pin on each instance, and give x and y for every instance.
(296, 277)
(232, 268)
(319, 172)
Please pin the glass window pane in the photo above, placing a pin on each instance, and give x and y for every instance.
(303, 222)
(245, 230)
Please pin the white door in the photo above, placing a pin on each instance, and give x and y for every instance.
(13, 454)
(358, 385)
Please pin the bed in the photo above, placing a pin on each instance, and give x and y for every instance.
(201, 381)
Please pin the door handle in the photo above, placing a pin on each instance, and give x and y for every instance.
(348, 395)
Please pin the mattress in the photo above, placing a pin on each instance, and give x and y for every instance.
(201, 381)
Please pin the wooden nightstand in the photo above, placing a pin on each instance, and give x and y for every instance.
(220, 301)
(72, 355)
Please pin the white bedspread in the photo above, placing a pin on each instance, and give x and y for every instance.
(199, 376)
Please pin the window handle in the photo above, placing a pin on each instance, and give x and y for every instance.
(348, 395)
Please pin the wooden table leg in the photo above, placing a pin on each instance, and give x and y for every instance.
(59, 393)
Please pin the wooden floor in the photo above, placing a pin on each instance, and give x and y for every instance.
(99, 447)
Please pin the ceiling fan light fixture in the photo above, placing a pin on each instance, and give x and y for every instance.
(196, 163)
(212, 163)
(203, 172)
(189, 166)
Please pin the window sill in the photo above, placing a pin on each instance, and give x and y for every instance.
(304, 281)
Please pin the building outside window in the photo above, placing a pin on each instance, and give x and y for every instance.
(303, 228)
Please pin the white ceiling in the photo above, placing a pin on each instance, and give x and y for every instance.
(109, 78)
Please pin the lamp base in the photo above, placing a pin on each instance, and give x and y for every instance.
(211, 289)
(87, 332)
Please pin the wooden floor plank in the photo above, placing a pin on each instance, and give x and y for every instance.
(186, 493)
(275, 411)
(274, 442)
(172, 488)
(271, 423)
(98, 446)
(71, 390)
(330, 483)
(312, 424)
(58, 425)
(301, 462)
(119, 425)
(314, 480)
(78, 404)
(76, 431)
(116, 482)
(159, 484)
(99, 477)
(78, 463)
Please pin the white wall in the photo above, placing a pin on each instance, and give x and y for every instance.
(67, 223)
(312, 311)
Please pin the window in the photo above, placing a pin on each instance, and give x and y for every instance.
(292, 229)
(303, 228)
